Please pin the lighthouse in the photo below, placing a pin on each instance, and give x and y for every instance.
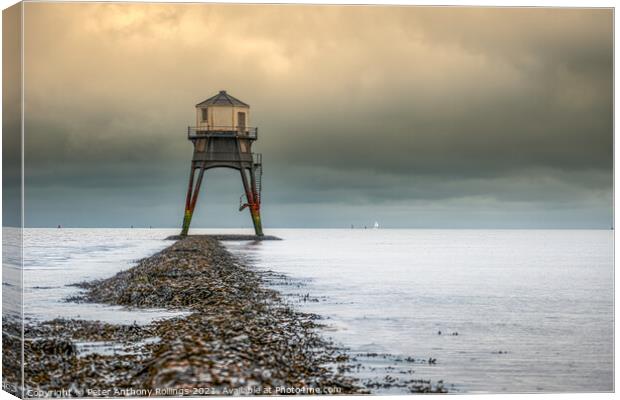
(222, 138)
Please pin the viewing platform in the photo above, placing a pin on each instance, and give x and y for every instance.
(200, 132)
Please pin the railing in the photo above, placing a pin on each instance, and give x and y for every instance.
(198, 132)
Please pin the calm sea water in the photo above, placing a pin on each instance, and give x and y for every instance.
(533, 309)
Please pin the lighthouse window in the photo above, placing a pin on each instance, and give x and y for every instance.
(204, 114)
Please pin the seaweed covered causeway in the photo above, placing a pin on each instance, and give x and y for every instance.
(239, 338)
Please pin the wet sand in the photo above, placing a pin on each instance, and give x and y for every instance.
(240, 338)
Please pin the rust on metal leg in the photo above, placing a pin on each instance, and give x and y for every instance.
(192, 198)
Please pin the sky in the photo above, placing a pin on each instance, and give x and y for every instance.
(415, 117)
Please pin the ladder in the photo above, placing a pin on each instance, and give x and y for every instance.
(258, 173)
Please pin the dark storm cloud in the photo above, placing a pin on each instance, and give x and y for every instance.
(504, 113)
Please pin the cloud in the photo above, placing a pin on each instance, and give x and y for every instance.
(377, 105)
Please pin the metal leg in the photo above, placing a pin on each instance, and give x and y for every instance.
(251, 195)
(191, 199)
(188, 199)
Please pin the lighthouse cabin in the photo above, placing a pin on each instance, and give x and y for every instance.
(222, 131)
(223, 113)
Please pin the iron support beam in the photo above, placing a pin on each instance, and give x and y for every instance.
(192, 198)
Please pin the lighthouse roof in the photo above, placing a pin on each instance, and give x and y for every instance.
(222, 99)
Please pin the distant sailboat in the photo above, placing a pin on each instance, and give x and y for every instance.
(376, 225)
